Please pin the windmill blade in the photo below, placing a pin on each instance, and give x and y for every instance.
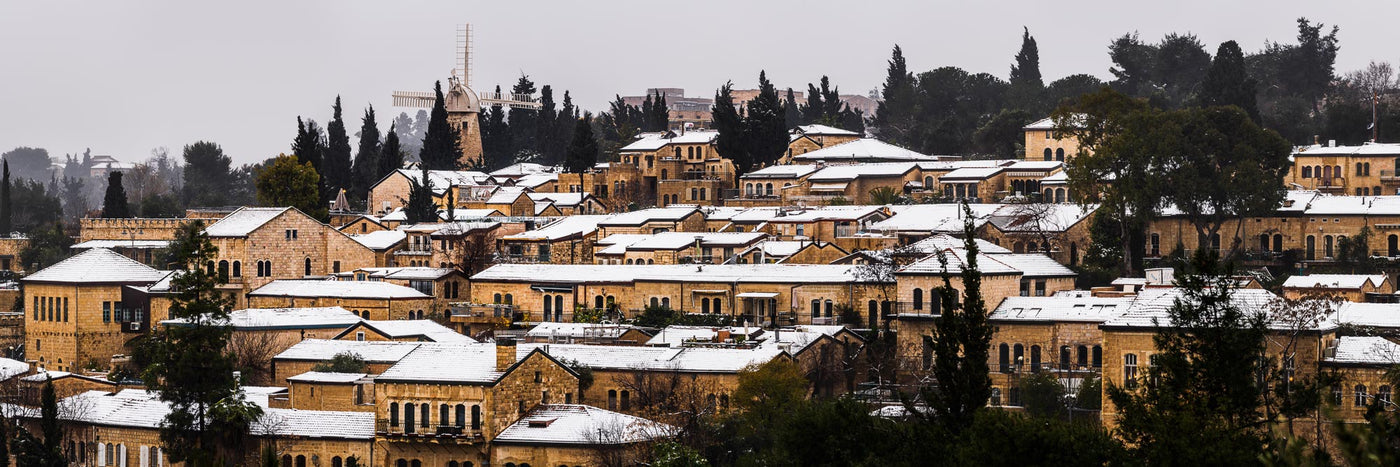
(422, 100)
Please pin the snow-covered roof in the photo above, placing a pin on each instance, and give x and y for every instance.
(822, 130)
(829, 213)
(1040, 217)
(138, 408)
(97, 266)
(1371, 350)
(970, 174)
(681, 359)
(1034, 166)
(924, 218)
(256, 319)
(937, 242)
(326, 349)
(339, 289)
(733, 273)
(682, 240)
(564, 227)
(506, 195)
(643, 216)
(520, 169)
(783, 171)
(1334, 281)
(398, 273)
(136, 244)
(1364, 149)
(242, 222)
(445, 363)
(380, 240)
(956, 260)
(426, 329)
(1376, 315)
(578, 330)
(1076, 309)
(560, 199)
(571, 424)
(846, 173)
(779, 248)
(534, 181)
(863, 150)
(1035, 265)
(1048, 123)
(1149, 308)
(654, 141)
(10, 368)
(315, 424)
(326, 377)
(441, 179)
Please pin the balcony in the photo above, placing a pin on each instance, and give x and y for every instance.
(440, 434)
(1390, 176)
(415, 249)
(1333, 183)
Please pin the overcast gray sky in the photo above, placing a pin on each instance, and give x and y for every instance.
(125, 77)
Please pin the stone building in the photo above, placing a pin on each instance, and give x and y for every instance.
(1044, 144)
(674, 247)
(79, 312)
(1365, 170)
(1058, 230)
(259, 245)
(375, 300)
(1349, 287)
(392, 191)
(567, 240)
(808, 138)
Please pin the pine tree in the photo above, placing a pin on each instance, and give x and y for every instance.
(441, 147)
(421, 207)
(765, 129)
(583, 148)
(114, 202)
(390, 155)
(190, 366)
(522, 122)
(336, 174)
(366, 168)
(894, 116)
(7, 225)
(207, 174)
(1228, 83)
(725, 119)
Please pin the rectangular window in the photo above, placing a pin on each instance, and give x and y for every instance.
(335, 267)
(1040, 288)
(106, 312)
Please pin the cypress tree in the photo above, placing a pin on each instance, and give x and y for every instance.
(307, 146)
(6, 207)
(1026, 71)
(495, 136)
(831, 102)
(564, 124)
(894, 116)
(813, 108)
(366, 168)
(766, 133)
(440, 145)
(660, 114)
(791, 111)
(583, 148)
(1228, 83)
(725, 119)
(421, 207)
(114, 201)
(522, 121)
(337, 156)
(551, 150)
(390, 155)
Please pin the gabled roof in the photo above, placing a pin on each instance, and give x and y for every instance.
(445, 363)
(1149, 308)
(310, 288)
(1034, 265)
(1048, 123)
(143, 409)
(617, 273)
(678, 359)
(561, 199)
(423, 329)
(563, 228)
(578, 330)
(1366, 350)
(822, 130)
(97, 266)
(326, 377)
(654, 141)
(257, 319)
(441, 179)
(569, 424)
(1040, 217)
(925, 218)
(643, 216)
(1334, 281)
(782, 171)
(956, 259)
(830, 213)
(1060, 309)
(317, 350)
(839, 173)
(244, 221)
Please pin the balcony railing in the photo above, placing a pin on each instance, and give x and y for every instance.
(449, 433)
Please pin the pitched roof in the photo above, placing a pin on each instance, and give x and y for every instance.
(1366, 350)
(554, 424)
(851, 172)
(96, 266)
(735, 273)
(340, 289)
(252, 319)
(242, 222)
(925, 218)
(326, 349)
(1150, 307)
(425, 329)
(682, 359)
(562, 228)
(1040, 217)
(445, 363)
(1035, 265)
(956, 260)
(643, 216)
(783, 171)
(578, 330)
(1334, 281)
(864, 149)
(1058, 308)
(823, 130)
(380, 240)
(326, 377)
(654, 141)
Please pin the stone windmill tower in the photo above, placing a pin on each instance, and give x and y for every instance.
(464, 104)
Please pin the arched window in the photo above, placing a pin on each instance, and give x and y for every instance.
(1064, 357)
(1098, 356)
(598, 302)
(678, 152)
(1310, 248)
(308, 266)
(1327, 246)
(301, 461)
(918, 299)
(1018, 354)
(928, 183)
(768, 187)
(408, 414)
(1049, 156)
(237, 269)
(1073, 253)
(1307, 172)
(1263, 242)
(715, 305)
(1360, 395)
(626, 400)
(1082, 356)
(286, 460)
(476, 417)
(510, 300)
(496, 298)
(1326, 172)
(1337, 171)
(612, 399)
(816, 308)
(393, 414)
(1278, 242)
(558, 307)
(1383, 395)
(666, 302)
(1059, 195)
(548, 306)
(1060, 154)
(337, 462)
(1004, 358)
(1035, 358)
(704, 305)
(461, 413)
(223, 270)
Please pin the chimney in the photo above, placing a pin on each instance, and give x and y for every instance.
(505, 353)
(1331, 143)
(1316, 140)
